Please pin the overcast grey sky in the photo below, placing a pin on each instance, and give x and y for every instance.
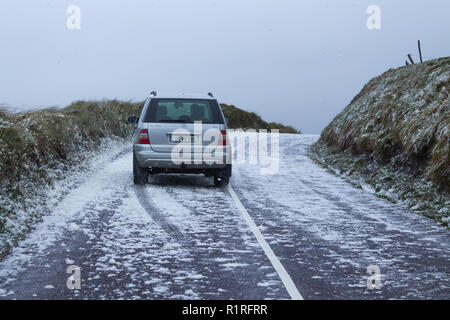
(299, 61)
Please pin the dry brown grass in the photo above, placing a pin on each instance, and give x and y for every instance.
(398, 123)
(49, 137)
(404, 115)
(240, 119)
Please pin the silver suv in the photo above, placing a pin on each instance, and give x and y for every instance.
(181, 134)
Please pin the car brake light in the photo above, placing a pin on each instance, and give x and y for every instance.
(223, 138)
(143, 137)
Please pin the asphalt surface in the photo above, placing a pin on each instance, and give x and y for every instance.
(179, 237)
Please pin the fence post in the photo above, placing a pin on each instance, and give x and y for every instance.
(420, 51)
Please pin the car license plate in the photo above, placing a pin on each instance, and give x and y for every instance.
(184, 138)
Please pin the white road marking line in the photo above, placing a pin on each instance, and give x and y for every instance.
(282, 273)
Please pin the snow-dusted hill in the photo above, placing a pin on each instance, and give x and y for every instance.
(395, 136)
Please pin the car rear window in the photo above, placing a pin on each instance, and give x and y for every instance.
(184, 111)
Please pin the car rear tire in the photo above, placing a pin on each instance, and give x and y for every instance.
(221, 182)
(140, 175)
(222, 177)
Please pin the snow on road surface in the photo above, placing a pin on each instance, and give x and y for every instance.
(179, 237)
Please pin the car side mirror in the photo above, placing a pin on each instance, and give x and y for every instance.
(133, 119)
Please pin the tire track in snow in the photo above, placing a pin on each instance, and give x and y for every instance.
(206, 222)
(159, 217)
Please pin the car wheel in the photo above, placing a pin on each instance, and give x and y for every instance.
(140, 175)
(221, 181)
(222, 177)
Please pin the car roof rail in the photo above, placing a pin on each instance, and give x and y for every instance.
(153, 93)
(210, 94)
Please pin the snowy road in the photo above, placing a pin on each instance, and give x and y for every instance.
(179, 237)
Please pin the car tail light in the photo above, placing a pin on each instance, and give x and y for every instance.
(143, 137)
(223, 138)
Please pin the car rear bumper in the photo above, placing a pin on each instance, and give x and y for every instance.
(147, 158)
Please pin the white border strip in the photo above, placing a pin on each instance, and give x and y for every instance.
(282, 273)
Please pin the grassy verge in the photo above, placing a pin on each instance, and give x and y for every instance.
(395, 137)
(240, 119)
(416, 193)
(41, 147)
